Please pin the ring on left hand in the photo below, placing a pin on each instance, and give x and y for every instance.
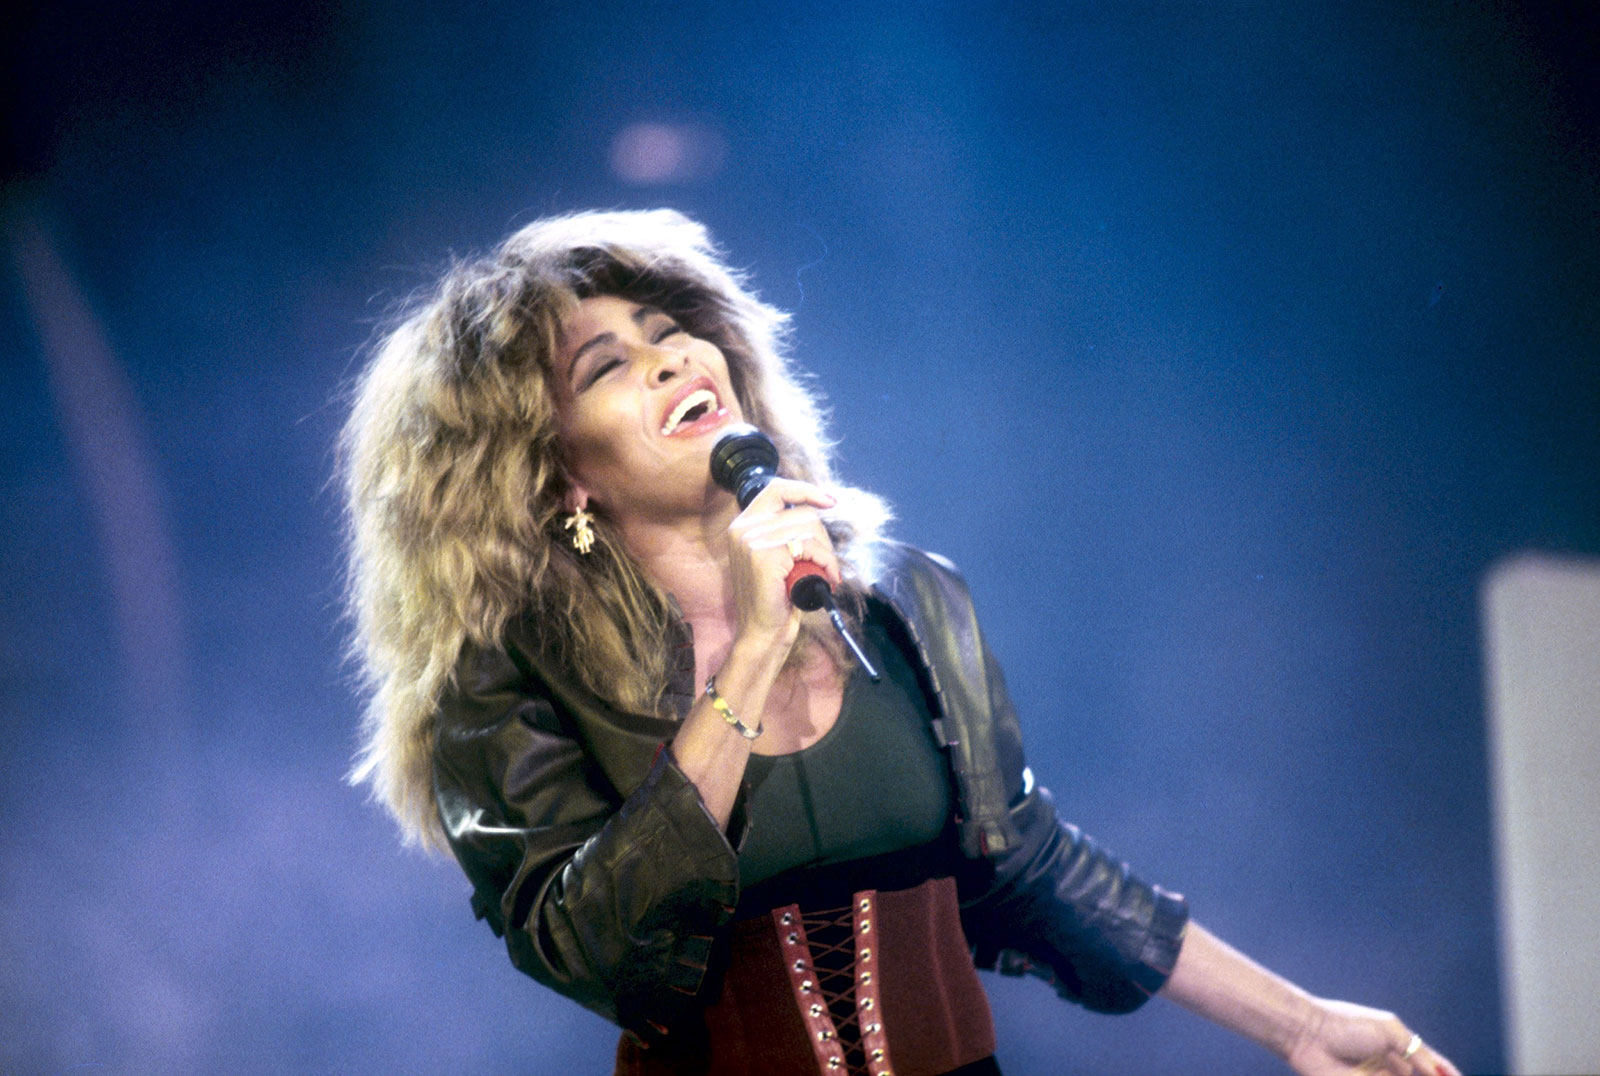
(1412, 1047)
(796, 547)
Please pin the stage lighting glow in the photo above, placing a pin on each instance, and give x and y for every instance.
(651, 153)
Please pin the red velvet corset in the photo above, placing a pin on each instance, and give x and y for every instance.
(882, 987)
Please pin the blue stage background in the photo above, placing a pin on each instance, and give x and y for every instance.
(1224, 346)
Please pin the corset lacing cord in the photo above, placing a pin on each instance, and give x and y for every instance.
(830, 938)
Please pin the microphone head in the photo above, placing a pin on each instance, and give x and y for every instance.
(743, 461)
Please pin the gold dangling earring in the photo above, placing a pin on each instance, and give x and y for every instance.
(581, 524)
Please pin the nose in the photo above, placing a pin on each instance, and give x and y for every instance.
(667, 363)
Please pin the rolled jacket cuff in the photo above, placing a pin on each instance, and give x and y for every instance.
(1169, 920)
(689, 835)
(692, 900)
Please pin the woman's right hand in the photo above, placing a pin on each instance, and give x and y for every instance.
(766, 624)
(761, 556)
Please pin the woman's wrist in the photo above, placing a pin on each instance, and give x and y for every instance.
(1310, 1015)
(742, 684)
(729, 718)
(1307, 1031)
(1216, 981)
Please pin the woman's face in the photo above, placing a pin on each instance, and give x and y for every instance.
(641, 403)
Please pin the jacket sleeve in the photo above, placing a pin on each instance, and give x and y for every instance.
(1056, 904)
(612, 899)
(1038, 896)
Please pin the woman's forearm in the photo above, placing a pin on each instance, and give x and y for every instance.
(1216, 981)
(709, 751)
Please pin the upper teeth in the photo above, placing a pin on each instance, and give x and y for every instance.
(685, 405)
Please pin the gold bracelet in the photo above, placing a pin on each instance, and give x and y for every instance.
(720, 705)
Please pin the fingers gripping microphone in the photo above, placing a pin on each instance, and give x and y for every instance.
(743, 461)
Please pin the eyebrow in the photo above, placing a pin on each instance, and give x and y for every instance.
(640, 315)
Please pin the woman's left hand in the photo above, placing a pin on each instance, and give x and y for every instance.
(1342, 1039)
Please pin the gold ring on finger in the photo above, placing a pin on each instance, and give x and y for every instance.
(1412, 1047)
(796, 547)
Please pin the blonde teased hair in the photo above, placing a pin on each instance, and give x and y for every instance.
(454, 478)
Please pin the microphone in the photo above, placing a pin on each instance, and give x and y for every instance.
(743, 461)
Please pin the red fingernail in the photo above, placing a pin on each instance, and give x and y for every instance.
(1440, 1070)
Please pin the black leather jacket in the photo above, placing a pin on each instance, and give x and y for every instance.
(592, 854)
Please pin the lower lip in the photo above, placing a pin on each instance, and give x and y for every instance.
(705, 423)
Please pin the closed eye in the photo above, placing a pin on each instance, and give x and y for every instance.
(600, 368)
(667, 328)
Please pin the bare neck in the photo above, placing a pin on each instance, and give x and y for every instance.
(688, 558)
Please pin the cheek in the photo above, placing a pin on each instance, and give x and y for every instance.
(713, 359)
(597, 444)
(586, 449)
(711, 355)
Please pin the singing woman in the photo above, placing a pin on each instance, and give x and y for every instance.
(676, 796)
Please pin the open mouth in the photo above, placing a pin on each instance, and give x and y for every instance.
(693, 409)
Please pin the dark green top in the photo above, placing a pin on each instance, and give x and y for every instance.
(876, 782)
